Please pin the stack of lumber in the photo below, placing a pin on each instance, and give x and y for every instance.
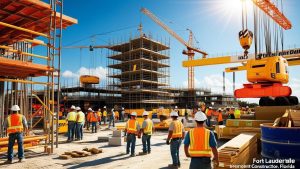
(240, 150)
(291, 118)
(235, 127)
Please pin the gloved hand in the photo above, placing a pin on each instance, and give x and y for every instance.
(168, 142)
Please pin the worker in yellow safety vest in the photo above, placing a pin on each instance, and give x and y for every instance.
(15, 125)
(132, 130)
(237, 113)
(71, 119)
(104, 115)
(80, 118)
(147, 129)
(200, 143)
(99, 113)
(176, 134)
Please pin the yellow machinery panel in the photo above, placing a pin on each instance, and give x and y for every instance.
(88, 79)
(62, 126)
(269, 69)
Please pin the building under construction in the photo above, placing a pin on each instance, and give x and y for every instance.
(139, 69)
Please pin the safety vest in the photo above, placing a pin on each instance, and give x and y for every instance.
(104, 113)
(220, 117)
(99, 113)
(199, 145)
(148, 128)
(72, 116)
(177, 131)
(206, 111)
(80, 117)
(209, 112)
(237, 114)
(15, 123)
(132, 126)
(93, 118)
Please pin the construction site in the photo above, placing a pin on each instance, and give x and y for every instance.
(154, 83)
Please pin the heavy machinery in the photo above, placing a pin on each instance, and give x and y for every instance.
(266, 75)
(190, 52)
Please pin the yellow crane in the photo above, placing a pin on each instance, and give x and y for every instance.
(265, 74)
(190, 52)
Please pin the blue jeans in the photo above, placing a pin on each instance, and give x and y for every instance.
(94, 127)
(208, 121)
(111, 120)
(11, 141)
(131, 138)
(146, 140)
(71, 130)
(79, 131)
(174, 146)
(200, 163)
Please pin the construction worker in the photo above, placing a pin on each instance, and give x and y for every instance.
(147, 128)
(220, 116)
(79, 123)
(132, 130)
(200, 143)
(122, 115)
(237, 113)
(208, 114)
(71, 119)
(104, 115)
(99, 113)
(111, 118)
(15, 125)
(176, 134)
(117, 115)
(93, 119)
(230, 113)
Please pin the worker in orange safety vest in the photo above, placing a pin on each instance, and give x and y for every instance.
(200, 143)
(220, 116)
(132, 130)
(176, 135)
(93, 119)
(15, 125)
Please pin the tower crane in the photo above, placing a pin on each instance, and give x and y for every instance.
(265, 74)
(190, 51)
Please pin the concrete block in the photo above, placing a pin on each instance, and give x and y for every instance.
(117, 133)
(115, 141)
(103, 139)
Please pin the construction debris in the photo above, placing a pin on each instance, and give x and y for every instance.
(93, 150)
(240, 150)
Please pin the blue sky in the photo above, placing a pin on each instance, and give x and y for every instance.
(215, 25)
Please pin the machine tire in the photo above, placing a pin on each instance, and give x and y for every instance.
(267, 101)
(293, 100)
(282, 101)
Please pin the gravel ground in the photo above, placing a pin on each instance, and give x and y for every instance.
(111, 158)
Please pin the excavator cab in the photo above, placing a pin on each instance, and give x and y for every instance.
(269, 69)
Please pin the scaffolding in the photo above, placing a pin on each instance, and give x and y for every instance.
(139, 68)
(22, 70)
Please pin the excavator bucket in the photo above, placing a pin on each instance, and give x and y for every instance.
(263, 90)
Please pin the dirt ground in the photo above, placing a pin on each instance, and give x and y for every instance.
(111, 158)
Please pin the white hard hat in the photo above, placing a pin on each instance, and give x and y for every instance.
(219, 109)
(174, 114)
(78, 108)
(199, 109)
(247, 106)
(133, 114)
(200, 116)
(145, 113)
(176, 107)
(73, 107)
(90, 109)
(122, 108)
(210, 107)
(15, 108)
(104, 107)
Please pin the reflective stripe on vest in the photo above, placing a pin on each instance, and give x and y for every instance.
(15, 123)
(199, 146)
(72, 116)
(148, 128)
(132, 126)
(80, 117)
(177, 131)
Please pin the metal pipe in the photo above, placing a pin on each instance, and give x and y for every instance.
(21, 52)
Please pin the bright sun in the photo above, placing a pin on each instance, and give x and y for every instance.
(231, 5)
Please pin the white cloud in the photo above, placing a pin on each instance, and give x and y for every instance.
(294, 83)
(99, 71)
